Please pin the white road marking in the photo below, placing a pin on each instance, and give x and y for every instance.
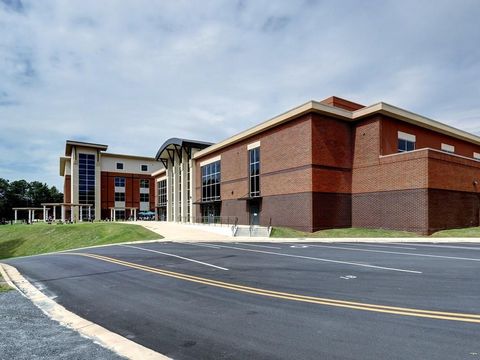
(262, 246)
(176, 256)
(398, 253)
(299, 246)
(204, 245)
(386, 246)
(321, 259)
(448, 246)
(348, 277)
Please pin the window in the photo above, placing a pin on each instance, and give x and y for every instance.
(144, 184)
(211, 181)
(86, 181)
(254, 171)
(119, 196)
(162, 193)
(144, 167)
(476, 156)
(119, 182)
(119, 166)
(144, 198)
(406, 142)
(448, 148)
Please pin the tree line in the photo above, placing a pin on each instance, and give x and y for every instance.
(21, 193)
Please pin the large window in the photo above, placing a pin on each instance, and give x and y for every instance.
(254, 171)
(144, 197)
(86, 181)
(119, 196)
(119, 182)
(211, 181)
(162, 193)
(406, 142)
(144, 184)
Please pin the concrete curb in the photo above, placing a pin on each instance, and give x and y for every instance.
(86, 328)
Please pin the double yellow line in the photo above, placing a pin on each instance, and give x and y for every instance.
(472, 318)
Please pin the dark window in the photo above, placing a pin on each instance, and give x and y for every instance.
(254, 171)
(120, 181)
(144, 167)
(144, 184)
(144, 198)
(119, 196)
(119, 166)
(162, 193)
(405, 145)
(211, 181)
(86, 188)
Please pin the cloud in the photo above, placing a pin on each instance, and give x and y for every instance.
(134, 73)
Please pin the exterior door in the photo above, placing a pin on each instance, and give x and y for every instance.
(254, 213)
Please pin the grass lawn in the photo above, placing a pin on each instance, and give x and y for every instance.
(3, 286)
(21, 240)
(280, 232)
(473, 232)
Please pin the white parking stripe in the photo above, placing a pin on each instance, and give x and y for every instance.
(320, 259)
(176, 256)
(386, 246)
(205, 245)
(397, 253)
(262, 246)
(448, 246)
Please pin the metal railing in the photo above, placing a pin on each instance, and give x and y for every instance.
(216, 220)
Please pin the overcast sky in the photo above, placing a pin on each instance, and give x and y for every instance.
(131, 74)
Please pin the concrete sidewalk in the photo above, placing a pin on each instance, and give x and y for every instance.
(204, 233)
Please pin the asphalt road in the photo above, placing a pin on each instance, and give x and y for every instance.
(275, 301)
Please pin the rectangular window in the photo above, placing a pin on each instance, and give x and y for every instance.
(406, 142)
(448, 148)
(144, 184)
(476, 156)
(144, 167)
(119, 196)
(86, 186)
(119, 166)
(144, 197)
(211, 181)
(162, 193)
(254, 171)
(119, 182)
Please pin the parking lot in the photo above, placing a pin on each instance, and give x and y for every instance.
(275, 300)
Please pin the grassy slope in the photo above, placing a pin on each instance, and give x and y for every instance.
(473, 232)
(280, 232)
(20, 240)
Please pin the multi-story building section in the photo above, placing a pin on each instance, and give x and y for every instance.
(118, 186)
(327, 164)
(336, 163)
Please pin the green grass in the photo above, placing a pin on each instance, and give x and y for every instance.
(473, 232)
(3, 286)
(280, 232)
(21, 240)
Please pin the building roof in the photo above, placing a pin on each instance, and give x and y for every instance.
(346, 115)
(70, 143)
(176, 144)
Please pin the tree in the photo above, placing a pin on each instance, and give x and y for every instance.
(21, 193)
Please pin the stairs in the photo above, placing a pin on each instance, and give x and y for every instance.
(254, 231)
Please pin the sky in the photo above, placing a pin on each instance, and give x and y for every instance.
(131, 74)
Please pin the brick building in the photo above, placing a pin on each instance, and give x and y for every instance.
(326, 164)
(336, 163)
(118, 186)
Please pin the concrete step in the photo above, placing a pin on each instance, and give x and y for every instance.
(256, 231)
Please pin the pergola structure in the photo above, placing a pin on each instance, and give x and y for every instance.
(113, 216)
(64, 206)
(31, 212)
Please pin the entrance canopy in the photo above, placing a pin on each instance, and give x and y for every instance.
(175, 145)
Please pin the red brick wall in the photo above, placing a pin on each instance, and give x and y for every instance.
(424, 138)
(132, 189)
